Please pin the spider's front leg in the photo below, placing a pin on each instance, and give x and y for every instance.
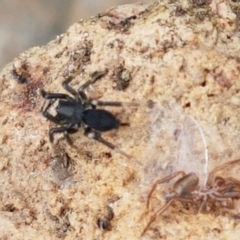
(66, 86)
(95, 76)
(47, 95)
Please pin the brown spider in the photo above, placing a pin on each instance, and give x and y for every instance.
(187, 190)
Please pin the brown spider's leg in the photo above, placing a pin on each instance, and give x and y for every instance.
(229, 195)
(202, 205)
(113, 104)
(153, 218)
(97, 136)
(230, 204)
(224, 197)
(228, 187)
(225, 165)
(165, 179)
(163, 209)
(95, 76)
(234, 180)
(184, 199)
(235, 216)
(218, 182)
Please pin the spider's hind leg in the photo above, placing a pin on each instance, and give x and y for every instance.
(90, 133)
(113, 104)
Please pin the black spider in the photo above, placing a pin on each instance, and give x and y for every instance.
(72, 112)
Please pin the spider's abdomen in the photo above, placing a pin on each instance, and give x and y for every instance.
(70, 112)
(100, 120)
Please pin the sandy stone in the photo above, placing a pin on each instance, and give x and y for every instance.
(180, 62)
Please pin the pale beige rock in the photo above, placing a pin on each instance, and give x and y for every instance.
(183, 57)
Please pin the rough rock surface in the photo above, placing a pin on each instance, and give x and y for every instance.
(180, 61)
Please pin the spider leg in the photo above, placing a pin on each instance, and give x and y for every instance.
(167, 205)
(47, 95)
(233, 194)
(66, 86)
(233, 180)
(229, 204)
(95, 76)
(50, 117)
(202, 205)
(153, 218)
(113, 104)
(52, 131)
(65, 130)
(90, 133)
(162, 180)
(223, 166)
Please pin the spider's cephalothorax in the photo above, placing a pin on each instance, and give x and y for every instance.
(72, 111)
